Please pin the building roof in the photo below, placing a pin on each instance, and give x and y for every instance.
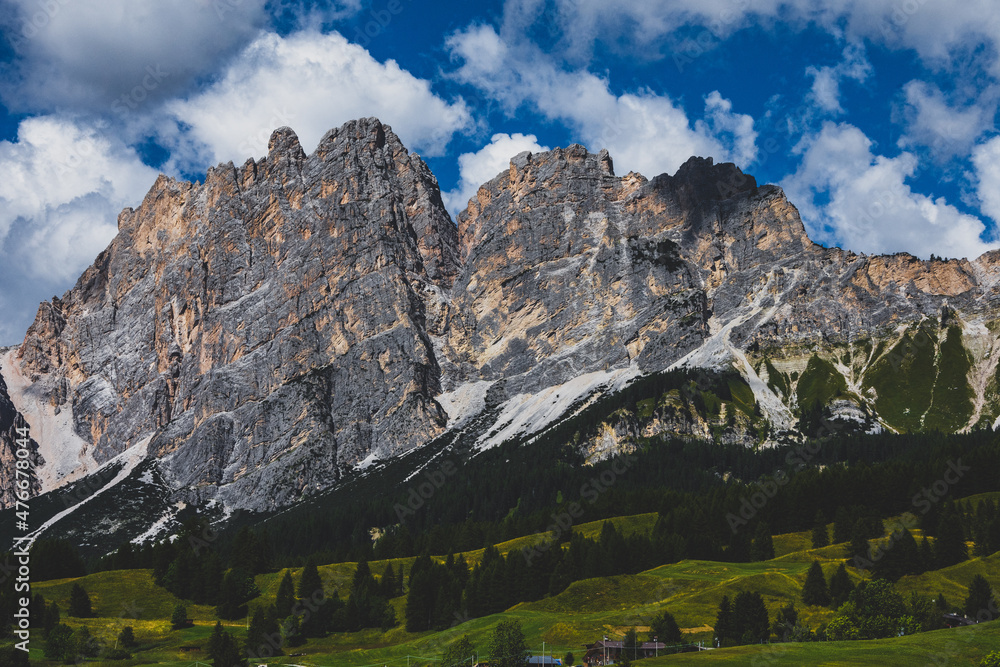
(620, 645)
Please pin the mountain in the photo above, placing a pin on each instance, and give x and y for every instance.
(251, 340)
(12, 431)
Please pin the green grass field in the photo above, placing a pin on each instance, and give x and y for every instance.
(585, 611)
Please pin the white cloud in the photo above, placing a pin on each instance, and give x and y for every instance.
(825, 91)
(933, 29)
(853, 198)
(311, 82)
(736, 130)
(643, 131)
(932, 122)
(62, 185)
(89, 53)
(485, 164)
(986, 159)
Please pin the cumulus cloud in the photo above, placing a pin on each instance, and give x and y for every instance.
(62, 185)
(933, 29)
(644, 131)
(736, 131)
(311, 82)
(858, 200)
(932, 122)
(825, 92)
(65, 183)
(486, 163)
(986, 159)
(88, 54)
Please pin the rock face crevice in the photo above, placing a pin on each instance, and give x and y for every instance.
(292, 317)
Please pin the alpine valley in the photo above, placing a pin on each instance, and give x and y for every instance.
(297, 325)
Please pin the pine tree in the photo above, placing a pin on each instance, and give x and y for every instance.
(858, 550)
(79, 602)
(127, 637)
(51, 616)
(843, 525)
(215, 641)
(460, 653)
(388, 585)
(724, 624)
(926, 555)
(179, 618)
(751, 624)
(785, 624)
(238, 588)
(950, 548)
(820, 536)
(310, 581)
(291, 631)
(665, 629)
(840, 587)
(59, 643)
(285, 600)
(814, 591)
(763, 546)
(84, 643)
(508, 647)
(898, 558)
(630, 643)
(228, 653)
(263, 634)
(363, 580)
(980, 604)
(420, 598)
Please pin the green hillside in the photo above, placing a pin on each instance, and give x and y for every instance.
(585, 611)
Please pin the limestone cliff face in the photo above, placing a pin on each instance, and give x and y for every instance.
(560, 279)
(265, 331)
(265, 328)
(10, 423)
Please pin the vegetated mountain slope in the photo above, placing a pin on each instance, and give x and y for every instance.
(290, 319)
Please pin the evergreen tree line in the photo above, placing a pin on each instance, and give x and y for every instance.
(891, 468)
(718, 521)
(441, 594)
(888, 471)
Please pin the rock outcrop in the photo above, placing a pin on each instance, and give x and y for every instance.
(294, 317)
(12, 431)
(267, 327)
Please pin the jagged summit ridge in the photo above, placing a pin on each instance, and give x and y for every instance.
(241, 321)
(287, 319)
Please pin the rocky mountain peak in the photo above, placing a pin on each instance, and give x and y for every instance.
(262, 333)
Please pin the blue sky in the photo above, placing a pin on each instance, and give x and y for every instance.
(878, 117)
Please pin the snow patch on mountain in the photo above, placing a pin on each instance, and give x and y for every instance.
(464, 402)
(526, 414)
(128, 460)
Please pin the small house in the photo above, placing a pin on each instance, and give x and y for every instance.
(606, 652)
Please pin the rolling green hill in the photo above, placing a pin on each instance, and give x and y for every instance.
(586, 610)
